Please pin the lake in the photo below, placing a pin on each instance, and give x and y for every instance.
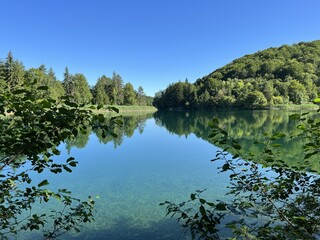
(157, 157)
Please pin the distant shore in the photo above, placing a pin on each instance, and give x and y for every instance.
(126, 109)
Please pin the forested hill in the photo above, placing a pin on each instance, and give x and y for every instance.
(273, 77)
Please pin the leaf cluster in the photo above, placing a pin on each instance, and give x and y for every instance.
(32, 128)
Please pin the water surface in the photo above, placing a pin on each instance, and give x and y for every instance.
(164, 156)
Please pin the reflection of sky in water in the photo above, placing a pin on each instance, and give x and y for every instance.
(134, 178)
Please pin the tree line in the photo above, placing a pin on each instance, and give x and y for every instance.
(275, 76)
(106, 91)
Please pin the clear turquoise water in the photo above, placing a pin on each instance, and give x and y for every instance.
(131, 180)
(159, 157)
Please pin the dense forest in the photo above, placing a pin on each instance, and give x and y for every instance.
(106, 91)
(273, 77)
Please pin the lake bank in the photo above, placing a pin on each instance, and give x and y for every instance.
(126, 109)
(288, 107)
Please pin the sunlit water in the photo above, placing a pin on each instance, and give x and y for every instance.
(160, 157)
(129, 182)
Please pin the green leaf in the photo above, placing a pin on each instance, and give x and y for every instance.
(71, 104)
(276, 145)
(294, 116)
(310, 155)
(114, 109)
(55, 151)
(226, 167)
(193, 196)
(70, 159)
(235, 156)
(73, 164)
(43, 183)
(67, 169)
(221, 206)
(277, 136)
(212, 135)
(202, 211)
(316, 100)
(57, 196)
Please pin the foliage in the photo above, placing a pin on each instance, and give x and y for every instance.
(82, 93)
(255, 100)
(129, 95)
(100, 91)
(36, 77)
(289, 72)
(270, 200)
(13, 75)
(32, 128)
(113, 91)
(130, 124)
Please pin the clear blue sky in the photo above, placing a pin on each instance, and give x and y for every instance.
(151, 43)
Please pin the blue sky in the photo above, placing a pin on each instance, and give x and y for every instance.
(150, 43)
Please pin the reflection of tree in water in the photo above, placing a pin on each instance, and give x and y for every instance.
(79, 142)
(130, 124)
(245, 126)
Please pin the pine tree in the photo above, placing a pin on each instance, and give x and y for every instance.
(13, 72)
(67, 82)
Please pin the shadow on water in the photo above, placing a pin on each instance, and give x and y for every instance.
(123, 229)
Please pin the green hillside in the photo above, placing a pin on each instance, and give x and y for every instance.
(273, 77)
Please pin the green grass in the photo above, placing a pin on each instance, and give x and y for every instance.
(294, 107)
(127, 109)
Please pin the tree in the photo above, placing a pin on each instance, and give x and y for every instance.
(31, 129)
(268, 91)
(129, 95)
(270, 72)
(255, 100)
(67, 82)
(43, 68)
(117, 89)
(12, 73)
(81, 89)
(296, 92)
(35, 77)
(56, 89)
(141, 96)
(100, 91)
